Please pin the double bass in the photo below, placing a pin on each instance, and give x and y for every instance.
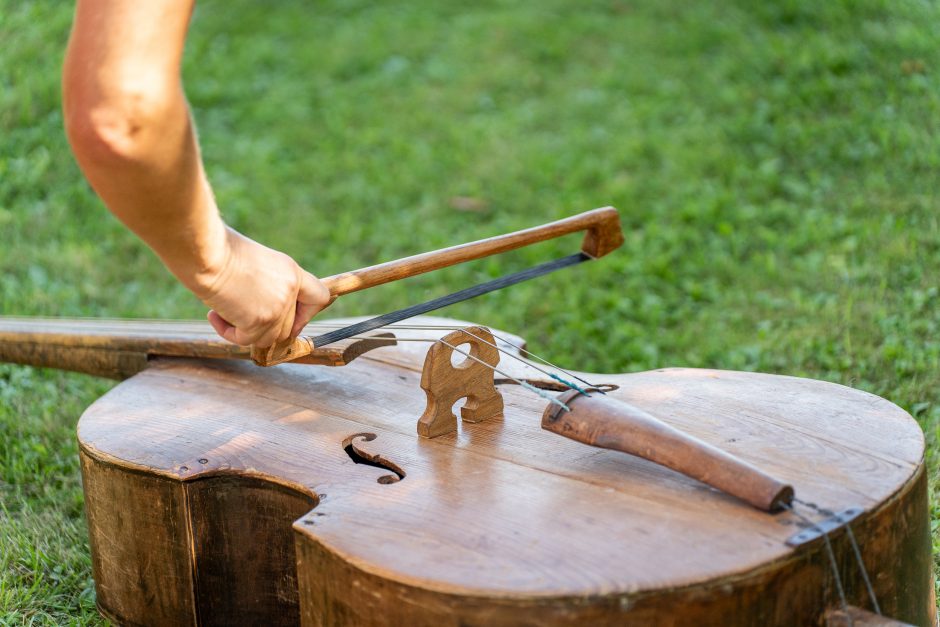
(347, 485)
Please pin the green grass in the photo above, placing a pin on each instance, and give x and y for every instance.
(775, 163)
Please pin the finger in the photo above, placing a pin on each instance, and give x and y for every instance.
(225, 330)
(290, 312)
(312, 291)
(243, 337)
(302, 317)
(234, 335)
(237, 335)
(287, 323)
(312, 298)
(266, 336)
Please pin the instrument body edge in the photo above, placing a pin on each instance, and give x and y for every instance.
(499, 523)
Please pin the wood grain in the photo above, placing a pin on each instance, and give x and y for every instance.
(118, 349)
(140, 545)
(472, 379)
(504, 523)
(600, 421)
(603, 235)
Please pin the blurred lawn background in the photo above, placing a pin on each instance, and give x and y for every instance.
(775, 164)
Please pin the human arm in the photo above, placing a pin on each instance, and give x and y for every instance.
(130, 128)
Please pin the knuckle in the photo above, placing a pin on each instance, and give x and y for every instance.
(248, 337)
(263, 340)
(292, 282)
(266, 318)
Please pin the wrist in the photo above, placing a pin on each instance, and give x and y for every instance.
(207, 260)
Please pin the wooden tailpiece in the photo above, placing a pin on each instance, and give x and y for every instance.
(607, 423)
(446, 383)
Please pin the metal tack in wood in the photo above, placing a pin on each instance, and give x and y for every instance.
(828, 525)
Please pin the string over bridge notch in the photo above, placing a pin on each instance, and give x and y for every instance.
(445, 383)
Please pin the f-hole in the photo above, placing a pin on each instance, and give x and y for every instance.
(360, 456)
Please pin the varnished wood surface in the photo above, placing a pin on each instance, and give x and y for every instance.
(504, 517)
(120, 348)
(599, 420)
(445, 383)
(603, 235)
(524, 476)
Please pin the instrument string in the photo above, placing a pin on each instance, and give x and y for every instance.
(525, 351)
(421, 327)
(861, 565)
(567, 373)
(832, 560)
(520, 382)
(835, 572)
(860, 562)
(524, 384)
(856, 550)
(531, 365)
(829, 550)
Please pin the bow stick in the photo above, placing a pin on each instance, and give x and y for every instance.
(602, 234)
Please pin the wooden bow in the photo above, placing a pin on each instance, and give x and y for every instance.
(602, 235)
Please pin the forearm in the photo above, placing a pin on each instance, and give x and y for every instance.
(130, 128)
(132, 134)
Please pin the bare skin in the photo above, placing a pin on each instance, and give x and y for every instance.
(130, 128)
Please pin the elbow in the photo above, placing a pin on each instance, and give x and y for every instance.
(124, 125)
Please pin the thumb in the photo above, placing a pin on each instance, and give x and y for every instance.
(312, 298)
